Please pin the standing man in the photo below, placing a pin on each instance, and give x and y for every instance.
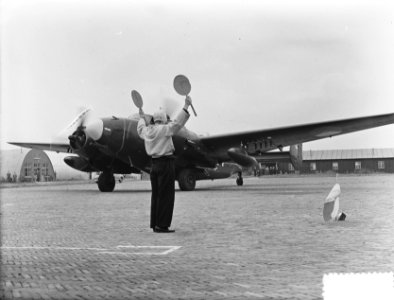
(159, 145)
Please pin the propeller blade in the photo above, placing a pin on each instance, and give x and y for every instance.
(85, 121)
(78, 120)
(83, 113)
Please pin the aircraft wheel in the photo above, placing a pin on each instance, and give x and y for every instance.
(106, 182)
(187, 180)
(240, 181)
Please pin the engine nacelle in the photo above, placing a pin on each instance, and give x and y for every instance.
(223, 171)
(293, 156)
(240, 156)
(79, 163)
(187, 177)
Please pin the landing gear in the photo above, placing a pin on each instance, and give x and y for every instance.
(240, 180)
(106, 182)
(187, 180)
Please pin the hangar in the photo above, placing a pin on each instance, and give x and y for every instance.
(34, 165)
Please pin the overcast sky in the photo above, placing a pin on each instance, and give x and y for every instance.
(252, 64)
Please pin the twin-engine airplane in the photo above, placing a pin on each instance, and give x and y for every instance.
(112, 146)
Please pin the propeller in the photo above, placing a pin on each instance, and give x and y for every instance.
(82, 127)
(183, 87)
(72, 126)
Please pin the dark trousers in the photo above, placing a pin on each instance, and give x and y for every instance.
(162, 178)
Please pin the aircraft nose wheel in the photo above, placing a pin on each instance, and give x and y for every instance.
(106, 182)
(239, 180)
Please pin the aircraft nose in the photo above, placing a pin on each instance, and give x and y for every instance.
(94, 129)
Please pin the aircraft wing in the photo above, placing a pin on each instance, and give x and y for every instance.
(284, 136)
(57, 147)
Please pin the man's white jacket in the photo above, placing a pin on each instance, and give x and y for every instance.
(158, 137)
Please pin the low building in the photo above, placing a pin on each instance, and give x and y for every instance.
(349, 161)
(342, 161)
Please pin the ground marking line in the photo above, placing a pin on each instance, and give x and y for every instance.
(132, 246)
(134, 253)
(115, 250)
(170, 248)
(52, 248)
(364, 285)
(254, 294)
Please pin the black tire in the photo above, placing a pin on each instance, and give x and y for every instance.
(187, 180)
(106, 182)
(240, 181)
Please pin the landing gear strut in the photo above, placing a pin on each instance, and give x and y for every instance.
(240, 180)
(106, 182)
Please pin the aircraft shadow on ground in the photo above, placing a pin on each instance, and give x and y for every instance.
(128, 191)
(256, 189)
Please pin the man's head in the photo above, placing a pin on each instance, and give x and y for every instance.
(160, 117)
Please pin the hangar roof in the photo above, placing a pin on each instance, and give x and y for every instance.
(11, 161)
(348, 154)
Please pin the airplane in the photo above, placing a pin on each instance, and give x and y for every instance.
(112, 146)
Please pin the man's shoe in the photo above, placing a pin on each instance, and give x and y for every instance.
(163, 229)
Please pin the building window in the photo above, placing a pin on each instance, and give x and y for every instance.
(27, 169)
(36, 162)
(357, 165)
(44, 169)
(335, 166)
(291, 167)
(312, 166)
(381, 164)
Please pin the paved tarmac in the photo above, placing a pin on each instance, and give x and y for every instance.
(264, 240)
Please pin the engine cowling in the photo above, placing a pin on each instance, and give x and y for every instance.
(241, 157)
(293, 156)
(79, 163)
(187, 177)
(88, 129)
